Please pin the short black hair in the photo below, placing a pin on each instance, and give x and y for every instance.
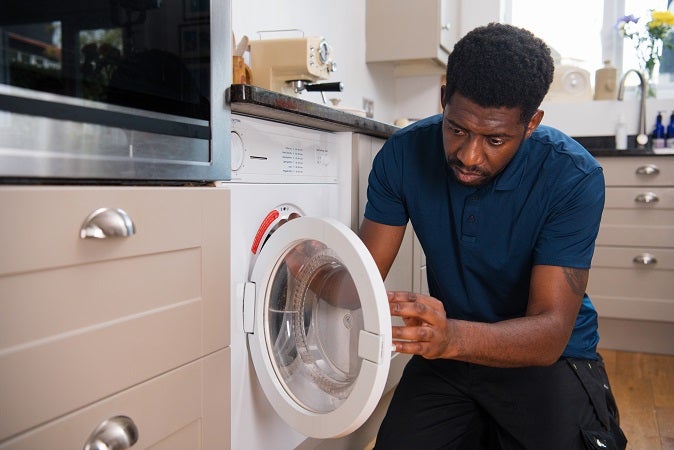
(500, 65)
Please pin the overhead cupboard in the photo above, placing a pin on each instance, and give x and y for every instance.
(416, 36)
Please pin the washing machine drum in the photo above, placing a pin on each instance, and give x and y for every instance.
(314, 319)
(321, 336)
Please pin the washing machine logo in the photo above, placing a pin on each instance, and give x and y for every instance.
(348, 321)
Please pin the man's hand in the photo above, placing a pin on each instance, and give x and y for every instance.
(301, 254)
(426, 331)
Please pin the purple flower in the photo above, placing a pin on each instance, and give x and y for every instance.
(629, 18)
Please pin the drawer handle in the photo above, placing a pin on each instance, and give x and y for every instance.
(648, 197)
(107, 222)
(648, 169)
(646, 259)
(116, 433)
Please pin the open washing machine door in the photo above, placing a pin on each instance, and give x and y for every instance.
(319, 327)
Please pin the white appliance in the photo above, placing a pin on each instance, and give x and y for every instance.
(305, 371)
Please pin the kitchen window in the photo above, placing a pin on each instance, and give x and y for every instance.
(582, 33)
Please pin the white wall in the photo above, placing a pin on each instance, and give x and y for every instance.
(599, 118)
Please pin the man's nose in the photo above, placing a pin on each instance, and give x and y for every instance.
(471, 154)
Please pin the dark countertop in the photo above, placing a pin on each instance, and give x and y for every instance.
(605, 146)
(629, 152)
(259, 102)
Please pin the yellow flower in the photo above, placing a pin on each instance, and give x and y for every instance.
(661, 18)
(649, 39)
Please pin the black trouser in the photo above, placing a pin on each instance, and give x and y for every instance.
(445, 404)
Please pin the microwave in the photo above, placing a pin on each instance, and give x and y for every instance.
(115, 91)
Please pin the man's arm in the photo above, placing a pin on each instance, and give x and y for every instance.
(383, 242)
(538, 339)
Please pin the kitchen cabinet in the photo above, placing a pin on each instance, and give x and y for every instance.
(408, 272)
(401, 274)
(416, 36)
(135, 325)
(632, 277)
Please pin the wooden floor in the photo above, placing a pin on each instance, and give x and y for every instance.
(643, 385)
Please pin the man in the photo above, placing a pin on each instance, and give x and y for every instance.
(507, 212)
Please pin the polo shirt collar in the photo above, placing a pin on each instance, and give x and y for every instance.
(512, 175)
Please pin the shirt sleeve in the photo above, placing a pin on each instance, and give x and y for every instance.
(568, 237)
(385, 198)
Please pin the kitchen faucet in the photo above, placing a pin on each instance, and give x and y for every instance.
(642, 136)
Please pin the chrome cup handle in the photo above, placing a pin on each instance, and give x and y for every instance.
(116, 433)
(645, 259)
(106, 223)
(648, 169)
(648, 197)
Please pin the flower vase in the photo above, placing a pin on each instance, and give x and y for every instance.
(651, 89)
(651, 85)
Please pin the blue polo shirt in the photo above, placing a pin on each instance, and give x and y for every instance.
(481, 243)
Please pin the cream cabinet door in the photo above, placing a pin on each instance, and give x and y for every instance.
(82, 319)
(186, 408)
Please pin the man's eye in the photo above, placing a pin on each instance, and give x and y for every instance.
(496, 141)
(458, 131)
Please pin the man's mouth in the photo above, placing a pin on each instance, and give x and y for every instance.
(466, 176)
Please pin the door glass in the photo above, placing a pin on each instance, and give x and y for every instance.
(313, 322)
(147, 54)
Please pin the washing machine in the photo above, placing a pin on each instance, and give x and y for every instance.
(311, 330)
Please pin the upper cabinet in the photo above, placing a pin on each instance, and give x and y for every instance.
(416, 36)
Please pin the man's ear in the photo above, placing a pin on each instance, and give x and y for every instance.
(442, 96)
(534, 122)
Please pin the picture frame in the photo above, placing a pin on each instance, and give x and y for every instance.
(196, 9)
(195, 41)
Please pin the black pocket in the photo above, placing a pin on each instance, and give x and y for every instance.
(596, 386)
(598, 440)
(614, 439)
(592, 376)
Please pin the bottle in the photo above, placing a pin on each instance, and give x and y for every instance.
(606, 82)
(621, 134)
(659, 132)
(669, 143)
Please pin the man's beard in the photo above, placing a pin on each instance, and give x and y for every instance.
(456, 165)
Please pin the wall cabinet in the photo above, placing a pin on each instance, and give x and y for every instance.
(94, 327)
(417, 36)
(632, 276)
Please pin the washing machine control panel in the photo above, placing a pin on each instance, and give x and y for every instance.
(265, 151)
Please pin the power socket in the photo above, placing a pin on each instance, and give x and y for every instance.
(368, 106)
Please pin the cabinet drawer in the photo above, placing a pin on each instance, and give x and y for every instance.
(637, 258)
(638, 217)
(622, 288)
(640, 198)
(81, 319)
(641, 171)
(186, 408)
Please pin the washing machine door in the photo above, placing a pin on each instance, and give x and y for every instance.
(319, 327)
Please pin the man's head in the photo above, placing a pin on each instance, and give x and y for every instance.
(500, 65)
(497, 77)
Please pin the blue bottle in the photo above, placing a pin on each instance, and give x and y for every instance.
(659, 132)
(670, 132)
